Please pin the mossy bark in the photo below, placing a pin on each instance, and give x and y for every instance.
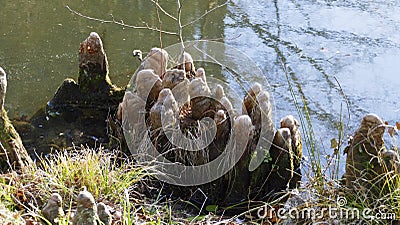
(13, 155)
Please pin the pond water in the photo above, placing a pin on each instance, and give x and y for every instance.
(320, 43)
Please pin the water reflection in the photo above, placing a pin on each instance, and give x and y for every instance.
(39, 41)
(318, 41)
(356, 42)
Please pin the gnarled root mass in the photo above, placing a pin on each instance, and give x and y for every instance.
(173, 114)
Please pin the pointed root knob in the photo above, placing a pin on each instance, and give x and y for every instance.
(219, 92)
(290, 122)
(148, 85)
(156, 60)
(188, 63)
(198, 87)
(201, 73)
(250, 98)
(92, 56)
(53, 209)
(86, 200)
(220, 117)
(104, 214)
(172, 77)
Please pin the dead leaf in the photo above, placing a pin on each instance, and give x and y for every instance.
(29, 221)
(398, 125)
(334, 143)
(21, 196)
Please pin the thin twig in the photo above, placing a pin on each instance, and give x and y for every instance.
(202, 205)
(159, 21)
(205, 14)
(178, 2)
(147, 27)
(163, 10)
(346, 99)
(6, 154)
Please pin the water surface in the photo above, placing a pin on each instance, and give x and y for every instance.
(321, 44)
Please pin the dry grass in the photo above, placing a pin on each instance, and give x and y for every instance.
(127, 188)
(112, 179)
(120, 184)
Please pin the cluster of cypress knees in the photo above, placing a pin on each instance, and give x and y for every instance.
(180, 96)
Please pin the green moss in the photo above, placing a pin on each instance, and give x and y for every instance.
(15, 153)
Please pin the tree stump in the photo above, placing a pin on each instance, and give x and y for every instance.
(370, 167)
(79, 113)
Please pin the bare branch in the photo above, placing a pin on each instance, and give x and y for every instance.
(6, 154)
(205, 14)
(147, 27)
(178, 2)
(163, 10)
(159, 21)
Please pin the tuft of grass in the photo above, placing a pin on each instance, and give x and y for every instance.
(8, 216)
(103, 173)
(113, 179)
